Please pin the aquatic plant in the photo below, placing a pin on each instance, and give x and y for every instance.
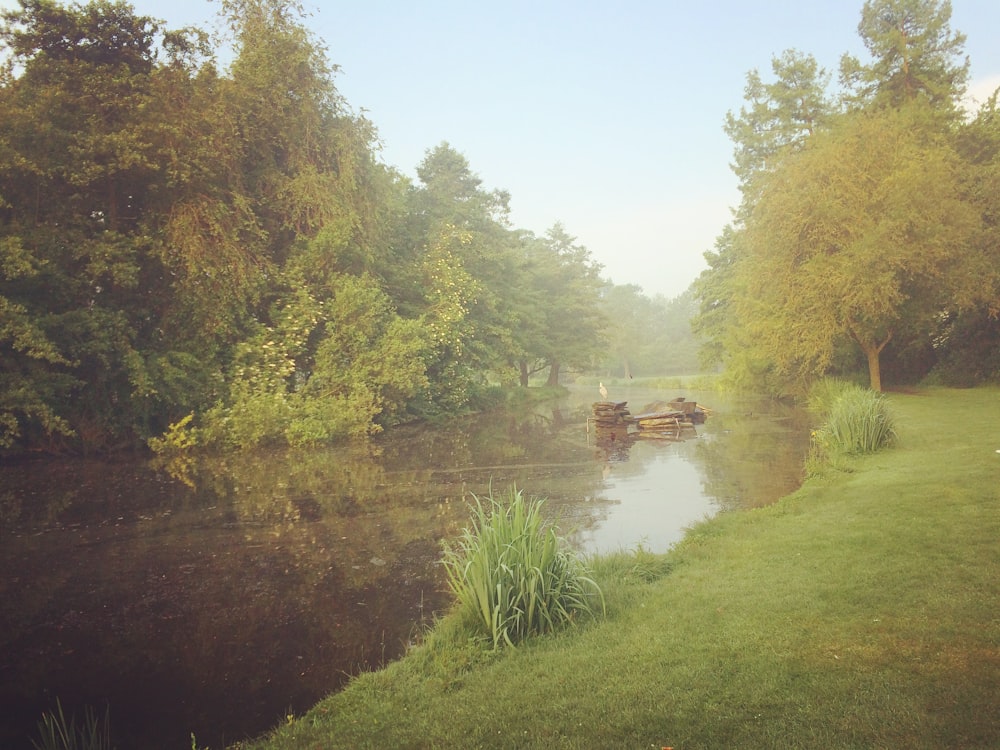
(513, 576)
(58, 733)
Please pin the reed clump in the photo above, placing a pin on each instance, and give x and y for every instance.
(512, 576)
(858, 421)
(56, 732)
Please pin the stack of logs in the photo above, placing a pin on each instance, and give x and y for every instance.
(608, 414)
(679, 414)
(663, 420)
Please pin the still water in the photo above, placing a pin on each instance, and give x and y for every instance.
(215, 597)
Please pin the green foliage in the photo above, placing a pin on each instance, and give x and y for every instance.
(646, 336)
(858, 422)
(968, 350)
(864, 229)
(512, 576)
(914, 55)
(779, 115)
(565, 324)
(177, 439)
(862, 223)
(176, 240)
(58, 733)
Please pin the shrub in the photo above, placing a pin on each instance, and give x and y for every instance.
(177, 439)
(512, 576)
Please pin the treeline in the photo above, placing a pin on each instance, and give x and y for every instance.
(225, 252)
(868, 235)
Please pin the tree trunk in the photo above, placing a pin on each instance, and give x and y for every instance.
(553, 373)
(874, 368)
(872, 352)
(523, 366)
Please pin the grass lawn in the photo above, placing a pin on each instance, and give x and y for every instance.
(859, 612)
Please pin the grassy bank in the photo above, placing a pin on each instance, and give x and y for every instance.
(861, 611)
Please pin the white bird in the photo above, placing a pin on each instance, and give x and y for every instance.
(604, 392)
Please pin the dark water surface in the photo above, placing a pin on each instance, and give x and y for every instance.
(215, 597)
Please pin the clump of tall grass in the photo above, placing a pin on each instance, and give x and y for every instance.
(824, 393)
(513, 576)
(858, 421)
(59, 733)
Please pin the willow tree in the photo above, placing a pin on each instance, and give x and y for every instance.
(861, 234)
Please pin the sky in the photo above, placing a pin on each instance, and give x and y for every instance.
(606, 117)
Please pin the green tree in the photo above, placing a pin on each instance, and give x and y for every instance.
(967, 344)
(628, 312)
(778, 115)
(458, 248)
(915, 55)
(564, 324)
(778, 118)
(860, 234)
(80, 158)
(25, 396)
(649, 336)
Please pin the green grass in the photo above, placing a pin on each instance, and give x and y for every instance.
(859, 612)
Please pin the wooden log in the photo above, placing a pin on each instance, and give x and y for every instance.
(658, 422)
(660, 415)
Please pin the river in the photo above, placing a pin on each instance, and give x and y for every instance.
(215, 596)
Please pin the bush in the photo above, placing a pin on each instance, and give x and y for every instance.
(513, 577)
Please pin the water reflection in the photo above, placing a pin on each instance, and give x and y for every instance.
(213, 596)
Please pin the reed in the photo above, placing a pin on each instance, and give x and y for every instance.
(512, 575)
(859, 421)
(823, 394)
(59, 733)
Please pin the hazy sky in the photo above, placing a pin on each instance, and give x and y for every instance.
(604, 116)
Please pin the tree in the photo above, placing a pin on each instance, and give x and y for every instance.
(80, 160)
(648, 336)
(458, 255)
(967, 345)
(862, 233)
(564, 324)
(778, 118)
(778, 115)
(915, 55)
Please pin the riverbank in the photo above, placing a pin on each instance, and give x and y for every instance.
(860, 611)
